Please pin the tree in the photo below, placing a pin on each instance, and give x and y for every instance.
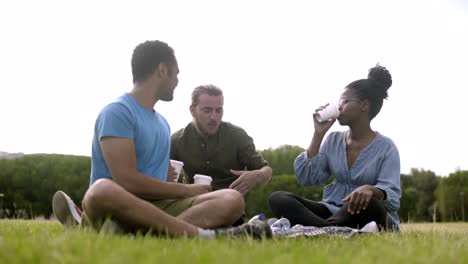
(451, 195)
(281, 159)
(425, 182)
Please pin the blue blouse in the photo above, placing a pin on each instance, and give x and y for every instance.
(378, 164)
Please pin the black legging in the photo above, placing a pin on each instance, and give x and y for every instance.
(299, 210)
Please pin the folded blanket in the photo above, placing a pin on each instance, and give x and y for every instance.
(281, 228)
(312, 231)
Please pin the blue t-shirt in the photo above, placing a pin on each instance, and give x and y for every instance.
(126, 118)
(378, 164)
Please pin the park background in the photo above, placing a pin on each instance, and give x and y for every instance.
(28, 183)
(276, 61)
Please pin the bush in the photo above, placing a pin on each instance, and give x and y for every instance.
(256, 201)
(28, 183)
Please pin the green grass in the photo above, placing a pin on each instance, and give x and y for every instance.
(49, 242)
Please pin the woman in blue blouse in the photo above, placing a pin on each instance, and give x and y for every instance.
(364, 163)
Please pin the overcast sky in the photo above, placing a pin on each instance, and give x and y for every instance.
(62, 61)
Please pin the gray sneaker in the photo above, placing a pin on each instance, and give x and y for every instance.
(255, 230)
(65, 210)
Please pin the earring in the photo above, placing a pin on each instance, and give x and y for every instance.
(363, 109)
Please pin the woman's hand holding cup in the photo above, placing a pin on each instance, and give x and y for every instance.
(324, 117)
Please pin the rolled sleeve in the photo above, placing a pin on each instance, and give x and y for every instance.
(389, 179)
(174, 146)
(248, 155)
(311, 171)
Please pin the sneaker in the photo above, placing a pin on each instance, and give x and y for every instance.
(255, 230)
(111, 227)
(65, 210)
(370, 227)
(239, 221)
(259, 217)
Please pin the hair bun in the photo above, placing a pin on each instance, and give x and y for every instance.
(382, 76)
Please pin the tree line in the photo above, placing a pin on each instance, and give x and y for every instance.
(27, 185)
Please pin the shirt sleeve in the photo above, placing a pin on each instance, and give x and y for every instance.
(174, 139)
(247, 153)
(313, 171)
(115, 121)
(388, 179)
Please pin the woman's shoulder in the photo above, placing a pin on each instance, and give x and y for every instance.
(383, 140)
(336, 136)
(334, 139)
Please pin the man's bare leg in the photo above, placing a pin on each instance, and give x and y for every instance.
(215, 209)
(105, 197)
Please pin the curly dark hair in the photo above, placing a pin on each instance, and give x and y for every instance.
(374, 88)
(147, 56)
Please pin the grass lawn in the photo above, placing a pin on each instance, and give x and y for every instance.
(49, 242)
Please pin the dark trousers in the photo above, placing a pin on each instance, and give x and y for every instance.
(299, 210)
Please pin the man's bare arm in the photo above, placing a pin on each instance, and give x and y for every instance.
(119, 155)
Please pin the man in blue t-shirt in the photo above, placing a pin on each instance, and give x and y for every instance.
(130, 165)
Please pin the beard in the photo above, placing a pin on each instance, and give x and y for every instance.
(167, 98)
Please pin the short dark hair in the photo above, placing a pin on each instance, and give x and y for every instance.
(374, 88)
(147, 56)
(209, 89)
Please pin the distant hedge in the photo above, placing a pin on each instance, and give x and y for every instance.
(28, 184)
(257, 200)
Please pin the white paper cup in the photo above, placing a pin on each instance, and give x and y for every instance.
(177, 165)
(202, 179)
(329, 112)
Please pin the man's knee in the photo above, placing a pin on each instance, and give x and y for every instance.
(233, 200)
(98, 195)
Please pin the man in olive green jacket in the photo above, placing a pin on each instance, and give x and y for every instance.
(209, 146)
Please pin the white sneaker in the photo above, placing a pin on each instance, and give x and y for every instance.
(65, 210)
(112, 227)
(370, 227)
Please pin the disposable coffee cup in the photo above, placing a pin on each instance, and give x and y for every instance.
(202, 179)
(331, 111)
(177, 165)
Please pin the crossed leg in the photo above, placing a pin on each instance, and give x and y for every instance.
(215, 209)
(106, 198)
(307, 212)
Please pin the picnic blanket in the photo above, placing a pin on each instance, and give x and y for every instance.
(281, 228)
(313, 231)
